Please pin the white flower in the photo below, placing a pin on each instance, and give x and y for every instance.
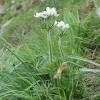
(62, 25)
(41, 15)
(47, 13)
(51, 12)
(98, 11)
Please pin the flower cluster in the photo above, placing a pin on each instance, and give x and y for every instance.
(61, 25)
(52, 12)
(47, 13)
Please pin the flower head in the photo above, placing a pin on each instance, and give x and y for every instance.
(62, 25)
(47, 13)
(41, 15)
(51, 12)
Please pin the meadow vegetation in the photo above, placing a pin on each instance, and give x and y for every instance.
(39, 61)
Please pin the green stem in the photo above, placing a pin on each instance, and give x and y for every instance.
(71, 93)
(49, 46)
(60, 47)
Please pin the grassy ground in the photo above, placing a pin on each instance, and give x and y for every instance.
(30, 60)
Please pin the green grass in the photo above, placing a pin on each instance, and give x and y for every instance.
(30, 57)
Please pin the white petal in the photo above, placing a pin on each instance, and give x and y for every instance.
(67, 26)
(48, 9)
(60, 24)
